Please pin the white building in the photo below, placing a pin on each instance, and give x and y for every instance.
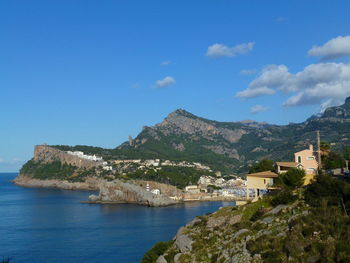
(193, 189)
(85, 156)
(155, 191)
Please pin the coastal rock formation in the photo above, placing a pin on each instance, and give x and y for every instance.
(27, 181)
(118, 191)
(47, 154)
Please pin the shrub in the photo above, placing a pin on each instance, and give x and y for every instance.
(263, 165)
(282, 197)
(331, 190)
(157, 250)
(293, 178)
(258, 214)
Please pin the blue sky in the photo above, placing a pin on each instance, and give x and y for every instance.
(95, 72)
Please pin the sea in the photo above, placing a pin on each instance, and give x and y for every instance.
(52, 225)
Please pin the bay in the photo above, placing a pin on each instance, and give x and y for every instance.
(52, 225)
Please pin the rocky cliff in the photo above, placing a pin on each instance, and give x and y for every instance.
(47, 154)
(129, 192)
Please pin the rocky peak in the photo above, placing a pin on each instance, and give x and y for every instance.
(347, 100)
(340, 112)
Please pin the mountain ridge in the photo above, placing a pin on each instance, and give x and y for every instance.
(239, 143)
(230, 147)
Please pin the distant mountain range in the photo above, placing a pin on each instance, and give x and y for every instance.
(229, 146)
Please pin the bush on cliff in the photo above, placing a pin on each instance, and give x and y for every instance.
(54, 170)
(157, 250)
(283, 197)
(330, 190)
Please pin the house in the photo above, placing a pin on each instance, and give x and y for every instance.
(193, 189)
(305, 159)
(282, 167)
(308, 160)
(260, 182)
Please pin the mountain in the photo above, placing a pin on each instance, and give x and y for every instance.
(229, 146)
(234, 145)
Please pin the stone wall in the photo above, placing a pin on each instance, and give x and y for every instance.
(47, 154)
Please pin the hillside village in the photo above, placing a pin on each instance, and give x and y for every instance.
(214, 186)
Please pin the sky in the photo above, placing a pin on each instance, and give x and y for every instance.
(89, 72)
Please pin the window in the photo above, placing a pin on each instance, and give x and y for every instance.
(264, 181)
(299, 159)
(310, 158)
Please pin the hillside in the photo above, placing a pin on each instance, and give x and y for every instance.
(311, 226)
(228, 146)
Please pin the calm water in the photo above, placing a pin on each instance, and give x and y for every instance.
(49, 225)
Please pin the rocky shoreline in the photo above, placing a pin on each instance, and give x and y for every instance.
(27, 181)
(109, 192)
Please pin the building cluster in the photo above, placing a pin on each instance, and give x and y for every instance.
(94, 158)
(85, 156)
(257, 184)
(158, 163)
(187, 164)
(217, 187)
(306, 160)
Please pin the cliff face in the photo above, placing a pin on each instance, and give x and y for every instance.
(309, 224)
(118, 191)
(47, 154)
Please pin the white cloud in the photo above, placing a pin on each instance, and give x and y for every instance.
(165, 63)
(315, 84)
(220, 50)
(165, 82)
(247, 72)
(258, 108)
(255, 92)
(2, 160)
(334, 48)
(281, 19)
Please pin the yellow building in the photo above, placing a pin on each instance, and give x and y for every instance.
(260, 182)
(306, 160)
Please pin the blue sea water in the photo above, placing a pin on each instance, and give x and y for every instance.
(51, 225)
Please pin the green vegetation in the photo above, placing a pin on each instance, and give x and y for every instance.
(54, 170)
(293, 178)
(312, 226)
(177, 176)
(263, 165)
(157, 250)
(333, 160)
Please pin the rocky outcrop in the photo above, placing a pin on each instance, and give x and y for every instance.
(27, 181)
(230, 234)
(165, 189)
(126, 192)
(47, 154)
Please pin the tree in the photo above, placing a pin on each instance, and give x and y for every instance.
(346, 153)
(325, 148)
(263, 165)
(293, 178)
(333, 161)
